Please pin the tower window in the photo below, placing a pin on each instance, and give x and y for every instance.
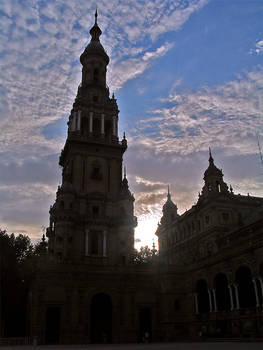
(94, 243)
(225, 216)
(95, 74)
(95, 98)
(95, 211)
(96, 171)
(177, 305)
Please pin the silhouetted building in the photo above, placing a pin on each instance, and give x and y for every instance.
(218, 243)
(87, 288)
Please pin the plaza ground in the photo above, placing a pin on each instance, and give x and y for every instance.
(159, 346)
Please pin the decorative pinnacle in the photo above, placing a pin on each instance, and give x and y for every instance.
(124, 172)
(211, 160)
(168, 194)
(124, 136)
(96, 15)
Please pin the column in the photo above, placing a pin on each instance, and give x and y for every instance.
(210, 300)
(74, 121)
(196, 304)
(214, 295)
(104, 243)
(79, 119)
(114, 125)
(261, 285)
(86, 242)
(102, 123)
(90, 121)
(256, 292)
(236, 293)
(231, 297)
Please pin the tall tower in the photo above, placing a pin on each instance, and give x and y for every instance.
(92, 220)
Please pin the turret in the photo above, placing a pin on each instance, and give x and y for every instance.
(169, 210)
(213, 178)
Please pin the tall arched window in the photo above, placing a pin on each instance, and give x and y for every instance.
(222, 292)
(202, 296)
(246, 290)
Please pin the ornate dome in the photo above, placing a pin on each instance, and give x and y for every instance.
(94, 47)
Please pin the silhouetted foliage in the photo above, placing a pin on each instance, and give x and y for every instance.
(145, 255)
(18, 257)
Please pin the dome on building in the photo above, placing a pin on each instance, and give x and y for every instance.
(212, 170)
(94, 47)
(169, 204)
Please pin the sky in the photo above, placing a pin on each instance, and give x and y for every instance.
(187, 75)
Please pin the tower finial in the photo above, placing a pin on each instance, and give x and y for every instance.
(96, 15)
(124, 172)
(168, 194)
(211, 160)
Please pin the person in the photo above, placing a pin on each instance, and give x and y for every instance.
(146, 337)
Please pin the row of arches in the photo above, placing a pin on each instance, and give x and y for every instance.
(245, 292)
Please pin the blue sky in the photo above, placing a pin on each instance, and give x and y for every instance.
(187, 75)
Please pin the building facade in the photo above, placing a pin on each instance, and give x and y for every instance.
(219, 244)
(207, 278)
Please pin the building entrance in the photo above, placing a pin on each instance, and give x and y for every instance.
(101, 318)
(145, 325)
(52, 333)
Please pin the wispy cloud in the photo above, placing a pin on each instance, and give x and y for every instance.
(226, 116)
(130, 68)
(258, 47)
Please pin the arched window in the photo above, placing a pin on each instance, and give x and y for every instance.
(202, 296)
(222, 292)
(246, 290)
(96, 171)
(218, 188)
(95, 74)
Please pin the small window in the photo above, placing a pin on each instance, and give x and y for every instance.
(95, 98)
(225, 217)
(207, 219)
(177, 305)
(95, 211)
(96, 171)
(95, 74)
(59, 256)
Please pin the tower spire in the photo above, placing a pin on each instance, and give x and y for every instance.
(211, 160)
(96, 15)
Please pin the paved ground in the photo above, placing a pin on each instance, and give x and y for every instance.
(163, 346)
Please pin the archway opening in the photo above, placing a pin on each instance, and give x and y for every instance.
(52, 333)
(246, 290)
(222, 292)
(202, 296)
(145, 325)
(101, 319)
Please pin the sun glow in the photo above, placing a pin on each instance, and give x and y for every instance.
(145, 231)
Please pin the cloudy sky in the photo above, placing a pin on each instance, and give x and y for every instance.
(187, 74)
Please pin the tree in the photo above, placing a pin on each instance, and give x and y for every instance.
(145, 255)
(17, 264)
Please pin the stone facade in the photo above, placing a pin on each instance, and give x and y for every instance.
(87, 288)
(218, 243)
